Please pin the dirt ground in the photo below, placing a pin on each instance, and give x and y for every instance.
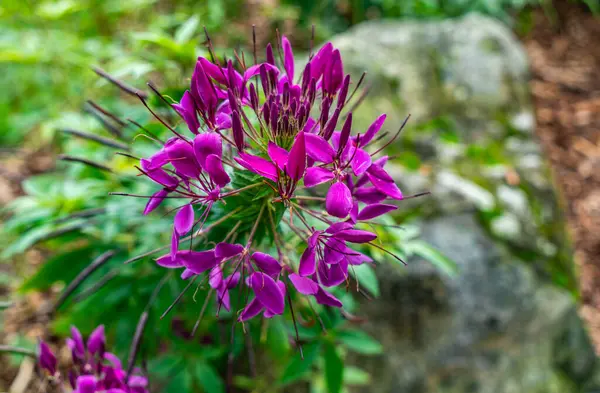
(565, 65)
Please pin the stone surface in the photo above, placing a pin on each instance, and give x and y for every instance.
(464, 82)
(507, 322)
(493, 328)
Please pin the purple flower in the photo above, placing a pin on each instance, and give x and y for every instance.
(92, 369)
(292, 127)
(47, 358)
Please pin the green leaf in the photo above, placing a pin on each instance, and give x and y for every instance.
(366, 277)
(432, 255)
(334, 369)
(358, 341)
(209, 379)
(356, 376)
(298, 367)
(61, 267)
(186, 31)
(277, 338)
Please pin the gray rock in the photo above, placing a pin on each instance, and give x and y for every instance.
(493, 328)
(467, 78)
(500, 326)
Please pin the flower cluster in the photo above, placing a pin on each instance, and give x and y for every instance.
(92, 368)
(294, 133)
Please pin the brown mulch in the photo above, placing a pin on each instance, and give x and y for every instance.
(565, 64)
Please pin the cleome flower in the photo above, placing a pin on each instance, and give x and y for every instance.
(265, 149)
(92, 368)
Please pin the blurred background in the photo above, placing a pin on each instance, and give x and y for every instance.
(504, 97)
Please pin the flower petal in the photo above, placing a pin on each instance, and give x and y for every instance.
(174, 243)
(168, 262)
(86, 384)
(327, 299)
(206, 144)
(296, 164)
(47, 358)
(214, 167)
(187, 273)
(320, 60)
(227, 250)
(360, 162)
(155, 200)
(316, 175)
(97, 340)
(258, 165)
(308, 262)
(252, 309)
(375, 210)
(318, 148)
(198, 261)
(388, 188)
(304, 285)
(184, 219)
(278, 155)
(266, 263)
(356, 236)
(78, 345)
(215, 277)
(339, 200)
(369, 195)
(182, 157)
(267, 292)
(288, 57)
(372, 130)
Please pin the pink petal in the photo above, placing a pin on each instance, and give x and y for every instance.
(296, 164)
(361, 162)
(258, 165)
(345, 134)
(187, 273)
(327, 299)
(214, 167)
(207, 144)
(97, 340)
(252, 309)
(168, 262)
(227, 250)
(232, 280)
(223, 299)
(86, 384)
(304, 285)
(316, 175)
(356, 236)
(278, 155)
(155, 200)
(318, 148)
(339, 200)
(184, 219)
(266, 263)
(308, 262)
(182, 157)
(385, 187)
(372, 130)
(288, 57)
(369, 195)
(267, 292)
(215, 277)
(375, 210)
(319, 61)
(198, 261)
(174, 243)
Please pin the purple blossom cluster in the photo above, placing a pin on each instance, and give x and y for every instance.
(295, 132)
(92, 369)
